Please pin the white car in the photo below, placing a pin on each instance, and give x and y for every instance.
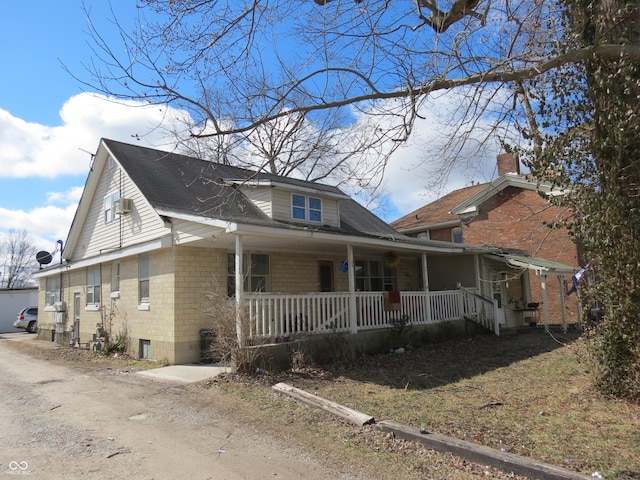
(27, 319)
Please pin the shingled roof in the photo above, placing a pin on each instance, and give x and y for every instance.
(183, 184)
(437, 212)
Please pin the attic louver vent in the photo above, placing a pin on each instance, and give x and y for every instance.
(123, 206)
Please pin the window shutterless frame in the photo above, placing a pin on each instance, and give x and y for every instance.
(306, 208)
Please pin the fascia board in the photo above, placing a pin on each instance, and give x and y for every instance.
(344, 239)
(470, 205)
(211, 222)
(429, 226)
(112, 256)
(88, 193)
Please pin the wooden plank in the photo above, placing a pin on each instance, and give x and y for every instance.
(341, 411)
(481, 454)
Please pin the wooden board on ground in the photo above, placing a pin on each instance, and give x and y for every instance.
(341, 411)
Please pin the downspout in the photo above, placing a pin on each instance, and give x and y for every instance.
(60, 291)
(239, 290)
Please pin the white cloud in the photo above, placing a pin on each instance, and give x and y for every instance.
(45, 224)
(435, 161)
(33, 150)
(60, 156)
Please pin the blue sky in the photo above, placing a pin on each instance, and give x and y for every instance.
(49, 125)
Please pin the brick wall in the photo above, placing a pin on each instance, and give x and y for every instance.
(514, 218)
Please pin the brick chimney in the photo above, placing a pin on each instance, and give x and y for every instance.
(508, 163)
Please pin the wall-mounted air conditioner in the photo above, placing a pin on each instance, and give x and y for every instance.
(123, 206)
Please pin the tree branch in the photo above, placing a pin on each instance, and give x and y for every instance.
(439, 84)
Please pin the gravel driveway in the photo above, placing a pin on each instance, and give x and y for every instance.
(58, 422)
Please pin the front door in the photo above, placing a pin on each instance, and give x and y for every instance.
(325, 275)
(76, 318)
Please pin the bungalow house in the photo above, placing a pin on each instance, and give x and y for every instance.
(155, 232)
(513, 213)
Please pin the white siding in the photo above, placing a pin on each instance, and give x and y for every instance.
(140, 225)
(282, 207)
(185, 232)
(261, 197)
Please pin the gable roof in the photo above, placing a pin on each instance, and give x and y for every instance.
(436, 212)
(447, 210)
(177, 183)
(199, 191)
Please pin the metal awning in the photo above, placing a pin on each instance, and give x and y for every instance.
(539, 265)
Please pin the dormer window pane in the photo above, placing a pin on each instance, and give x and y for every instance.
(306, 208)
(315, 209)
(298, 203)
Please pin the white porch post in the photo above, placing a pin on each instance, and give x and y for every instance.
(425, 276)
(562, 305)
(351, 274)
(239, 290)
(545, 306)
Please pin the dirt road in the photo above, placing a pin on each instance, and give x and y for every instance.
(57, 422)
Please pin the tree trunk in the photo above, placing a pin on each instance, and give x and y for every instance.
(613, 225)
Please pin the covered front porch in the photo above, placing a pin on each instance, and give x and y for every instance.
(297, 282)
(379, 275)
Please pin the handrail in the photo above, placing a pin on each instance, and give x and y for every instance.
(484, 309)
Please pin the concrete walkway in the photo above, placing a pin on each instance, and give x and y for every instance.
(175, 373)
(186, 373)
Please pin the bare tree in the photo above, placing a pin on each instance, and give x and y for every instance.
(564, 74)
(18, 254)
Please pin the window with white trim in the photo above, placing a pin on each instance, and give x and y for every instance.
(255, 272)
(93, 285)
(143, 279)
(52, 293)
(110, 206)
(306, 208)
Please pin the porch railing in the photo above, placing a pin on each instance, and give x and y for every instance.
(286, 314)
(480, 309)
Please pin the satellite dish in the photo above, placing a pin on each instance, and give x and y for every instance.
(43, 257)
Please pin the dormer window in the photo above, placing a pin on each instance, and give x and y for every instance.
(306, 208)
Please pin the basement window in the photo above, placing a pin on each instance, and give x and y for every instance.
(145, 349)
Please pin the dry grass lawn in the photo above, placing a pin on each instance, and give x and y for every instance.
(528, 394)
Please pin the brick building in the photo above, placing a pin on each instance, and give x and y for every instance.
(512, 212)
